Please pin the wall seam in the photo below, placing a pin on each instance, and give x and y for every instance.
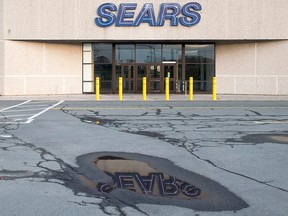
(235, 87)
(63, 85)
(256, 59)
(44, 60)
(277, 85)
(25, 86)
(255, 67)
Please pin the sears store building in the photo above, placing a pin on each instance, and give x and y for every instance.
(61, 46)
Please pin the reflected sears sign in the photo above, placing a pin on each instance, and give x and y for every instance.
(124, 15)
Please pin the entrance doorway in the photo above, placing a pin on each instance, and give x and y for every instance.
(127, 73)
(155, 61)
(133, 74)
(154, 79)
(171, 71)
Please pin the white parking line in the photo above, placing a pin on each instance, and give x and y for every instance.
(36, 105)
(5, 123)
(11, 116)
(271, 122)
(6, 136)
(22, 110)
(7, 108)
(30, 119)
(17, 112)
(40, 102)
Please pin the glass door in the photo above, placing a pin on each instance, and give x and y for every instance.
(155, 77)
(170, 71)
(127, 73)
(141, 72)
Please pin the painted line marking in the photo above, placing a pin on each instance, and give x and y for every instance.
(36, 105)
(150, 108)
(22, 110)
(271, 122)
(40, 102)
(7, 108)
(15, 116)
(6, 136)
(10, 123)
(30, 119)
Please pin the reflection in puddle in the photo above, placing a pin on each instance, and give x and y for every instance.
(283, 139)
(136, 178)
(262, 138)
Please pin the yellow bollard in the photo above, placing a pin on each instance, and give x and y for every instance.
(167, 89)
(214, 89)
(120, 89)
(191, 88)
(97, 88)
(144, 89)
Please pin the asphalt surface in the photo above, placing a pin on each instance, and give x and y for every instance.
(234, 149)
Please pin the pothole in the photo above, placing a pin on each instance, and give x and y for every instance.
(137, 178)
(283, 139)
(262, 138)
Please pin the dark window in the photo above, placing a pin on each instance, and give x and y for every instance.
(102, 53)
(172, 52)
(199, 53)
(202, 75)
(125, 53)
(103, 71)
(147, 53)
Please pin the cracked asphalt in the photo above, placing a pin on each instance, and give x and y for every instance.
(241, 145)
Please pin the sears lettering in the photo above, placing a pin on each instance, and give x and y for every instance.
(124, 15)
(153, 183)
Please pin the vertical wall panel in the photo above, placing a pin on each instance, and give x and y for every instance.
(43, 68)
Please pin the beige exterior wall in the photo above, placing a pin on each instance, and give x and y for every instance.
(1, 48)
(252, 68)
(1, 19)
(2, 66)
(47, 67)
(42, 68)
(74, 20)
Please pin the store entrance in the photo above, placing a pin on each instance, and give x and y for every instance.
(170, 71)
(128, 76)
(155, 61)
(154, 79)
(133, 74)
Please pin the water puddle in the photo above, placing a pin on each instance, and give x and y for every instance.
(262, 138)
(137, 178)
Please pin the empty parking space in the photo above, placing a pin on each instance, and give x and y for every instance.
(25, 112)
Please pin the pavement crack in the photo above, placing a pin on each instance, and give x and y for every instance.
(257, 113)
(239, 174)
(176, 138)
(144, 114)
(132, 206)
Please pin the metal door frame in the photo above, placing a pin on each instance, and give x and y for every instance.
(161, 79)
(175, 76)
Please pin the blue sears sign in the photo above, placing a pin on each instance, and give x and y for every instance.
(124, 15)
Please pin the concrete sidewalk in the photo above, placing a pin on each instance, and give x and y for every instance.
(150, 97)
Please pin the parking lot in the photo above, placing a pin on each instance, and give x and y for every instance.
(231, 154)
